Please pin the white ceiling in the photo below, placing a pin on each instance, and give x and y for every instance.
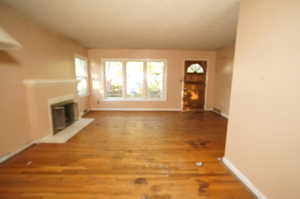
(171, 24)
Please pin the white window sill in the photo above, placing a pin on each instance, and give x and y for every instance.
(82, 96)
(132, 100)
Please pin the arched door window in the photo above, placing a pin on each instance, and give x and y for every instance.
(195, 68)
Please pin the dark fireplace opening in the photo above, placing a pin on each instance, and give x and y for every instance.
(63, 115)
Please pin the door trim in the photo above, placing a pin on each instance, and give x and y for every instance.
(206, 80)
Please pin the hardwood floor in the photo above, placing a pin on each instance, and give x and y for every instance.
(128, 155)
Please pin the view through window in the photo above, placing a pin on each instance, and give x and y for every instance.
(81, 73)
(127, 79)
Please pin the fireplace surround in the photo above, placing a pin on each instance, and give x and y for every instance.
(63, 115)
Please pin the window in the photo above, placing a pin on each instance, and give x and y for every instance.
(195, 68)
(134, 79)
(114, 79)
(81, 73)
(155, 79)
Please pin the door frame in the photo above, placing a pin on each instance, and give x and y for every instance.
(206, 80)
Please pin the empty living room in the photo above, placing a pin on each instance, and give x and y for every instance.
(149, 99)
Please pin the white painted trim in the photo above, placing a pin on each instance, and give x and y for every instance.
(135, 109)
(119, 99)
(33, 82)
(225, 115)
(83, 113)
(55, 100)
(76, 55)
(6, 157)
(221, 114)
(244, 179)
(7, 42)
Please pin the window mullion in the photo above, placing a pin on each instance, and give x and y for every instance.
(124, 80)
(145, 93)
(104, 78)
(164, 81)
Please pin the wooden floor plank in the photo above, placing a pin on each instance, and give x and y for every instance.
(128, 155)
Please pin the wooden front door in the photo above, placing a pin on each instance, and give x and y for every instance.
(194, 85)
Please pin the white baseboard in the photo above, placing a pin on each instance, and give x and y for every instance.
(225, 115)
(244, 179)
(222, 114)
(135, 109)
(83, 113)
(9, 155)
(6, 157)
(49, 139)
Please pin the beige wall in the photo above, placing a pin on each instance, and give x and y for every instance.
(44, 55)
(15, 129)
(264, 125)
(223, 77)
(175, 62)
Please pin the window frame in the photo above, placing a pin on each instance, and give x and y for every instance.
(87, 93)
(124, 97)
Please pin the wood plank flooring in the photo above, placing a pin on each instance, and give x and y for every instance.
(128, 155)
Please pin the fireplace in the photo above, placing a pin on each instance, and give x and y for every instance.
(63, 115)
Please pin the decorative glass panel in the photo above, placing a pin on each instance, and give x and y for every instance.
(195, 68)
(113, 78)
(135, 79)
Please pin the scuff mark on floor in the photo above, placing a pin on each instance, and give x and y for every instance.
(203, 186)
(140, 181)
(198, 143)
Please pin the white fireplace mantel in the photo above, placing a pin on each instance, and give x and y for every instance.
(59, 99)
(33, 82)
